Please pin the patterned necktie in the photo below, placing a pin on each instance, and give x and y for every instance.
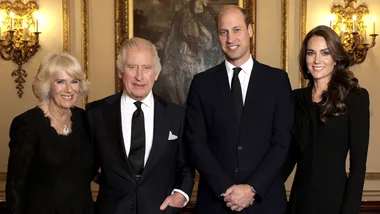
(137, 150)
(237, 95)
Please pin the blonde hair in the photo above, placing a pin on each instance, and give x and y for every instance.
(136, 42)
(52, 64)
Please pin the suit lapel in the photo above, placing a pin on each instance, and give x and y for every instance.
(112, 117)
(160, 136)
(252, 91)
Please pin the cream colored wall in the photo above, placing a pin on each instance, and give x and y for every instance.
(102, 49)
(268, 38)
(101, 45)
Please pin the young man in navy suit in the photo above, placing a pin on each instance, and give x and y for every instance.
(137, 135)
(238, 122)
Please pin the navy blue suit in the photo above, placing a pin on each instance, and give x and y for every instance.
(226, 153)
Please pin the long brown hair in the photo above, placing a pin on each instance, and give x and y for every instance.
(342, 79)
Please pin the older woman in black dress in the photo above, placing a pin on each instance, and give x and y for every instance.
(50, 154)
(331, 120)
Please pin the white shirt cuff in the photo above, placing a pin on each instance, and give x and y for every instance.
(182, 193)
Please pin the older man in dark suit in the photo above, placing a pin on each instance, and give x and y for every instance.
(137, 135)
(239, 117)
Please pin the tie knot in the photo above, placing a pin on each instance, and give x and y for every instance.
(138, 104)
(237, 70)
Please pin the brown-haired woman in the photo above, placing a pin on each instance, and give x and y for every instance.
(331, 119)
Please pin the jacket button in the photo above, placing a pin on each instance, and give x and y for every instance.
(132, 206)
(240, 148)
(236, 169)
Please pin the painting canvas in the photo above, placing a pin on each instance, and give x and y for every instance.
(184, 32)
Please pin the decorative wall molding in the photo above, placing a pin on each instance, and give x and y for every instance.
(303, 10)
(3, 176)
(66, 25)
(250, 6)
(85, 36)
(372, 176)
(284, 34)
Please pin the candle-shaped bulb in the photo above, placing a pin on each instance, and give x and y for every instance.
(12, 15)
(354, 23)
(36, 17)
(25, 27)
(331, 19)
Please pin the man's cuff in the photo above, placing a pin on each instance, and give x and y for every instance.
(182, 193)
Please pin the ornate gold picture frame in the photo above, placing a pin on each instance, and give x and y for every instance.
(124, 28)
(84, 35)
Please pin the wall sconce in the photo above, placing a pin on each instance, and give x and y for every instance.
(19, 36)
(349, 24)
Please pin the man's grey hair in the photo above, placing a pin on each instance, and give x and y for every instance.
(137, 42)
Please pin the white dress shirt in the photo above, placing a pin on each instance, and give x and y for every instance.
(127, 108)
(244, 75)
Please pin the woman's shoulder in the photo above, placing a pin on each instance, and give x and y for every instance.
(360, 94)
(78, 113)
(24, 125)
(77, 110)
(29, 115)
(299, 93)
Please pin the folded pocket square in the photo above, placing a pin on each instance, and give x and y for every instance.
(172, 136)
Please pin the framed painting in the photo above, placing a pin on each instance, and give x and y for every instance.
(184, 32)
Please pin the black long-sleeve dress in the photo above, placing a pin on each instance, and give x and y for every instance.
(321, 184)
(48, 173)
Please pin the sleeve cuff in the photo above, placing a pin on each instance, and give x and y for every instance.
(182, 193)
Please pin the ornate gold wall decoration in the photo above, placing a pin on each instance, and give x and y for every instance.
(349, 24)
(250, 6)
(303, 9)
(19, 36)
(85, 41)
(66, 25)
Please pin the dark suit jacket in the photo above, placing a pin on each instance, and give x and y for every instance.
(226, 154)
(320, 151)
(167, 167)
